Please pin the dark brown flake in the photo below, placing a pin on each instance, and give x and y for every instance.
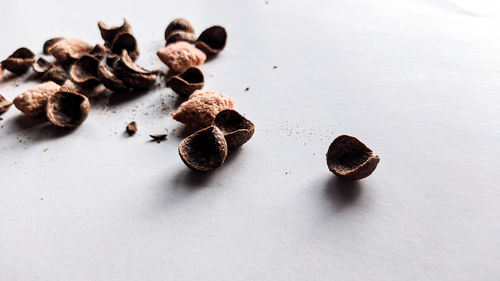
(213, 40)
(49, 43)
(187, 82)
(204, 150)
(20, 61)
(132, 74)
(67, 109)
(178, 25)
(236, 128)
(350, 159)
(84, 71)
(109, 80)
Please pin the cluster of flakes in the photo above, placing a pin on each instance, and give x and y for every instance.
(217, 126)
(76, 72)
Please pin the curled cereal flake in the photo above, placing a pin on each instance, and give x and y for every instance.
(180, 56)
(125, 41)
(236, 128)
(109, 33)
(109, 80)
(180, 35)
(68, 50)
(200, 109)
(84, 71)
(67, 109)
(49, 43)
(32, 101)
(42, 65)
(49, 71)
(187, 82)
(350, 159)
(178, 25)
(132, 74)
(99, 51)
(204, 150)
(213, 40)
(20, 61)
(55, 74)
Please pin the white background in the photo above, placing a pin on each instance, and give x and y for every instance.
(417, 81)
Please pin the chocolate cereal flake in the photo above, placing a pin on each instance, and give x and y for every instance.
(109, 33)
(350, 159)
(187, 82)
(200, 109)
(236, 128)
(132, 74)
(49, 43)
(32, 101)
(178, 24)
(180, 56)
(68, 50)
(67, 109)
(212, 40)
(84, 71)
(109, 80)
(204, 150)
(20, 61)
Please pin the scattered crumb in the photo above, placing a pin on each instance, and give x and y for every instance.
(275, 67)
(131, 128)
(45, 149)
(247, 89)
(1, 118)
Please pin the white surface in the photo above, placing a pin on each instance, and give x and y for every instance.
(417, 81)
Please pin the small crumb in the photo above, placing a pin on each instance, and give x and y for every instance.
(247, 89)
(45, 149)
(131, 128)
(41, 198)
(267, 2)
(275, 67)
(1, 118)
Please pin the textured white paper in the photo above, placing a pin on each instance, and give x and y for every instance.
(417, 81)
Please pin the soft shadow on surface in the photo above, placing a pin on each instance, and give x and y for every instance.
(191, 180)
(342, 193)
(49, 131)
(24, 122)
(117, 98)
(9, 76)
(183, 131)
(37, 127)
